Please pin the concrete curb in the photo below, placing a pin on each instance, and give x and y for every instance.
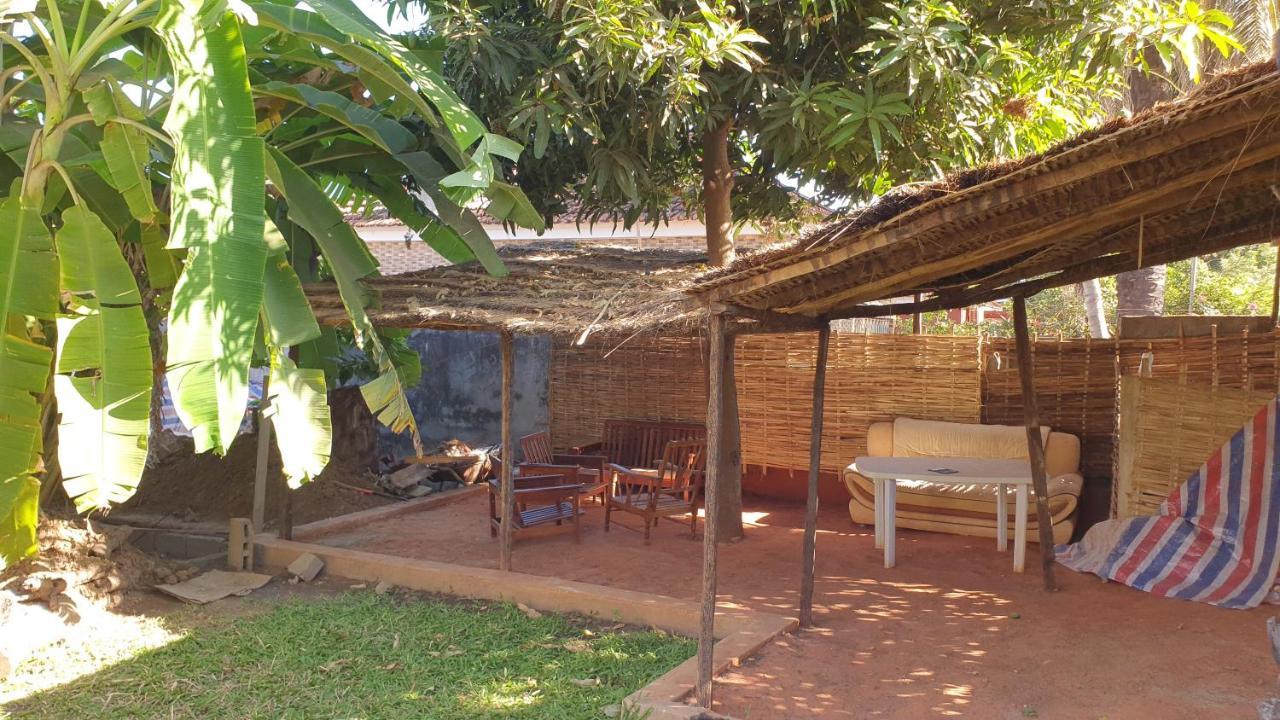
(741, 633)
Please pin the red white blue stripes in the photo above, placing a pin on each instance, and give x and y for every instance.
(1215, 538)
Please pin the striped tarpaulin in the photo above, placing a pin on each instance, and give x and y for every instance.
(1214, 539)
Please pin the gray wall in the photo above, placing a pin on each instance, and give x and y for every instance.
(460, 393)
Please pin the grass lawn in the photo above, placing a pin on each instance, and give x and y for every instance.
(360, 655)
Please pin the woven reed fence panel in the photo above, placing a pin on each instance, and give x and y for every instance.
(878, 377)
(1168, 430)
(645, 378)
(1077, 380)
(870, 378)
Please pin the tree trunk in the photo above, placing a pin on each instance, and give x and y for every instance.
(729, 490)
(1091, 290)
(717, 190)
(1141, 292)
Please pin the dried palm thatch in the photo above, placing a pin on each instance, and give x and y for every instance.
(1189, 177)
(554, 288)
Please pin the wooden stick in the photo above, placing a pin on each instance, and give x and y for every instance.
(710, 528)
(508, 452)
(917, 318)
(264, 455)
(1035, 443)
(815, 459)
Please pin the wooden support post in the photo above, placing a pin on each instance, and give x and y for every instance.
(1035, 443)
(286, 509)
(917, 318)
(815, 460)
(508, 452)
(264, 456)
(710, 528)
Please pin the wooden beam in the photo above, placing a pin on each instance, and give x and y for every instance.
(508, 452)
(917, 317)
(815, 462)
(710, 528)
(1176, 131)
(1035, 443)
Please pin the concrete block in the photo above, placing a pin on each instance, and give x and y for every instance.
(240, 545)
(409, 476)
(306, 567)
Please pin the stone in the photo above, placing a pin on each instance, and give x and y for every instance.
(383, 587)
(1269, 709)
(306, 567)
(408, 476)
(419, 491)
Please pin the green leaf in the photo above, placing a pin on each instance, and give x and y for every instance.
(288, 314)
(386, 133)
(162, 267)
(126, 152)
(350, 262)
(347, 20)
(300, 406)
(218, 176)
(428, 173)
(19, 511)
(104, 367)
(508, 202)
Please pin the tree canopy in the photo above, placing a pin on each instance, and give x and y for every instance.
(629, 104)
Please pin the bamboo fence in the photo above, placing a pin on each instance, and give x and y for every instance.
(1168, 429)
(873, 377)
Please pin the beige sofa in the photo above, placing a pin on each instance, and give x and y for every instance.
(966, 509)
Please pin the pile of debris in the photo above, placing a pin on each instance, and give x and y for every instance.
(453, 465)
(82, 566)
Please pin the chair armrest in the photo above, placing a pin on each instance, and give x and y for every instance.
(588, 449)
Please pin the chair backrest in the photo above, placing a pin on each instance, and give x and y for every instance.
(640, 443)
(684, 466)
(536, 447)
(547, 476)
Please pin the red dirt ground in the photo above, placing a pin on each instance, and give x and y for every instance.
(950, 632)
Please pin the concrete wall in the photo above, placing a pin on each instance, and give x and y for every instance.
(460, 393)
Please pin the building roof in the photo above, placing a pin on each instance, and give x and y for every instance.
(1185, 178)
(553, 288)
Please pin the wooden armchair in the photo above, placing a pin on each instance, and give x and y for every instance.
(539, 456)
(672, 488)
(594, 483)
(551, 497)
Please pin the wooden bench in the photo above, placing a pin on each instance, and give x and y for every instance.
(551, 497)
(640, 443)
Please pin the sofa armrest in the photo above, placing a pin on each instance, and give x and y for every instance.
(1066, 484)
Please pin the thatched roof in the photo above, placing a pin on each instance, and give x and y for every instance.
(553, 288)
(1186, 178)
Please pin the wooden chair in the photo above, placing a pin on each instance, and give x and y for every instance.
(538, 455)
(672, 488)
(551, 497)
(594, 483)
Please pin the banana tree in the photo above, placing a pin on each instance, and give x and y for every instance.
(188, 160)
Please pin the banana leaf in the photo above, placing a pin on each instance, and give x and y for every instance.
(300, 403)
(104, 367)
(217, 214)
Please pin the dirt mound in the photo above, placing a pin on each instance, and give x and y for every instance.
(83, 568)
(205, 487)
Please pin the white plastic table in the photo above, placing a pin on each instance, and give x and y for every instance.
(885, 472)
